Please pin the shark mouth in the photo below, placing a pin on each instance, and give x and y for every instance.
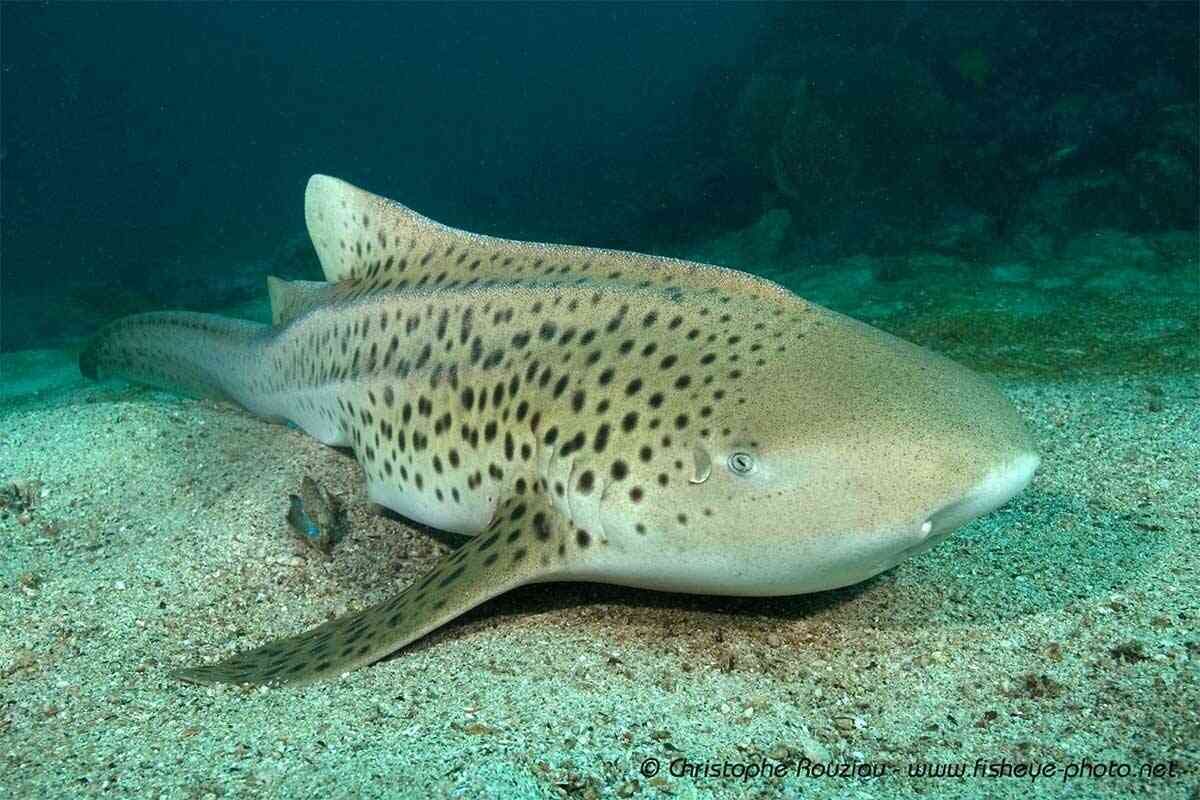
(997, 488)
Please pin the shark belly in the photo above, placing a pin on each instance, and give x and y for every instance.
(652, 561)
(469, 517)
(312, 411)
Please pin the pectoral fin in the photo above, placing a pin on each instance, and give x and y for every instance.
(522, 546)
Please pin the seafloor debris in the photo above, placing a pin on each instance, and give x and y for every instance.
(317, 516)
(19, 497)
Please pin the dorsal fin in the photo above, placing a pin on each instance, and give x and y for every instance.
(290, 299)
(369, 242)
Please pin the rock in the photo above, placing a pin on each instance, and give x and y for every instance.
(847, 155)
(759, 248)
(317, 516)
(1111, 249)
(20, 496)
(1164, 171)
(1060, 209)
(965, 233)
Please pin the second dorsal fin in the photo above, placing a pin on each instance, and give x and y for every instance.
(290, 299)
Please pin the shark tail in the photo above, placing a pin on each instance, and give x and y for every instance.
(196, 354)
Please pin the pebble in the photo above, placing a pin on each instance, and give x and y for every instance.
(628, 789)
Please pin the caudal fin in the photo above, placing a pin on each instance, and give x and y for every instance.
(196, 354)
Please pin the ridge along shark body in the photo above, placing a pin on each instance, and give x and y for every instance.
(586, 415)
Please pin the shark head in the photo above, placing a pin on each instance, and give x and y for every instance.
(835, 464)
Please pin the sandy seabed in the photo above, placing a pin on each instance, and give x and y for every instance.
(1057, 636)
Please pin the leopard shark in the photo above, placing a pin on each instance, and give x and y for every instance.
(585, 415)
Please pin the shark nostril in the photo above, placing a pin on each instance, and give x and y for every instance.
(948, 517)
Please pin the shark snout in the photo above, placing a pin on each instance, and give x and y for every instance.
(999, 485)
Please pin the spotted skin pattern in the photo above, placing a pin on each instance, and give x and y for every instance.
(565, 406)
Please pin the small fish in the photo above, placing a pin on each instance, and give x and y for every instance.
(316, 516)
(586, 415)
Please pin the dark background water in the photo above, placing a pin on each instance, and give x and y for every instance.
(149, 150)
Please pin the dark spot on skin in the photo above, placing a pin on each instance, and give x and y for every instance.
(574, 443)
(601, 440)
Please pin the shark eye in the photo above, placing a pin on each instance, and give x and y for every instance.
(741, 463)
